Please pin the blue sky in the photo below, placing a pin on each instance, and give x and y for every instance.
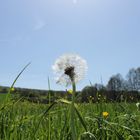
(104, 32)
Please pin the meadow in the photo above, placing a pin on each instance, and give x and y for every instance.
(23, 120)
(65, 118)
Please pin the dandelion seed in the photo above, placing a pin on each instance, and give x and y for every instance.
(69, 68)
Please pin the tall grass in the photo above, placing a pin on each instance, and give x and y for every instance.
(66, 120)
(19, 120)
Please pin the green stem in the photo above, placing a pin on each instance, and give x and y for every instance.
(74, 91)
(49, 137)
(73, 113)
(9, 92)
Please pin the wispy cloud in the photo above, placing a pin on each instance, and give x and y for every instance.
(39, 25)
(75, 1)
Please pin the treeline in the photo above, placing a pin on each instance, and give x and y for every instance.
(117, 89)
(33, 95)
(130, 83)
(92, 94)
(88, 94)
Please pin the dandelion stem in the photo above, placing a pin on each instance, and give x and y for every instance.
(72, 121)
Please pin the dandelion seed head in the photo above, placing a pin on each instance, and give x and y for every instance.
(68, 68)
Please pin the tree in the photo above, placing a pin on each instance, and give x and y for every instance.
(133, 79)
(99, 86)
(137, 84)
(87, 92)
(116, 83)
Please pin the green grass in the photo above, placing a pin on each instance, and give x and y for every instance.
(29, 121)
(2, 97)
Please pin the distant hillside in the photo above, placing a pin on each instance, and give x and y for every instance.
(89, 93)
(5, 89)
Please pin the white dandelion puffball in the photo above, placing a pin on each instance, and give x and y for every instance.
(69, 68)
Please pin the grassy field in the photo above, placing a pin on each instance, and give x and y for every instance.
(29, 121)
(2, 97)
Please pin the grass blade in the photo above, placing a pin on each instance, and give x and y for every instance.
(81, 119)
(16, 80)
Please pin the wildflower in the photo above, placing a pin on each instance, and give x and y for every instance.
(138, 106)
(69, 68)
(131, 97)
(125, 115)
(105, 114)
(89, 98)
(12, 89)
(70, 91)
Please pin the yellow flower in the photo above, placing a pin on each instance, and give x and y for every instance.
(70, 91)
(105, 114)
(12, 89)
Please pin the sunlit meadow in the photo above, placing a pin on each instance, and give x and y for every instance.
(66, 118)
